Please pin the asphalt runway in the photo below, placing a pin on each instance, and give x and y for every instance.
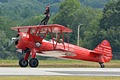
(59, 71)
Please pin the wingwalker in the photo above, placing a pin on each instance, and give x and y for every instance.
(31, 40)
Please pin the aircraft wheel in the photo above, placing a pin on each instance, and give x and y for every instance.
(102, 65)
(33, 62)
(23, 63)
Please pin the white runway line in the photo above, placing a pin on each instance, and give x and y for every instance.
(59, 71)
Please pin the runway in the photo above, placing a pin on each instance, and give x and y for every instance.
(59, 71)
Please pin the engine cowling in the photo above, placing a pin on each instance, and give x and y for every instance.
(23, 42)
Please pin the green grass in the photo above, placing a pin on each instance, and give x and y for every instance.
(62, 63)
(8, 61)
(56, 78)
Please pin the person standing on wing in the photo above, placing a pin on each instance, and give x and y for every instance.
(47, 13)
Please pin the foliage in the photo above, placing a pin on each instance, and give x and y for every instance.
(75, 15)
(95, 3)
(110, 24)
(35, 20)
(4, 54)
(66, 13)
(6, 24)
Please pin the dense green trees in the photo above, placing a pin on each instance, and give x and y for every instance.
(73, 14)
(111, 15)
(6, 52)
(3, 1)
(95, 3)
(110, 24)
(67, 11)
(4, 49)
(6, 24)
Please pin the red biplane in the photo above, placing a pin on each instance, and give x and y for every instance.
(31, 40)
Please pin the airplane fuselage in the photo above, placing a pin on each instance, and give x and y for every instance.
(61, 50)
(68, 51)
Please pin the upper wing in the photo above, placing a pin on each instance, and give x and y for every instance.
(53, 28)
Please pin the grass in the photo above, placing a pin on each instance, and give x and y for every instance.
(56, 78)
(62, 63)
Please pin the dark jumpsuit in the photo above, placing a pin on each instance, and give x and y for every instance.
(45, 20)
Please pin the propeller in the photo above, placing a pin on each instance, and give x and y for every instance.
(14, 40)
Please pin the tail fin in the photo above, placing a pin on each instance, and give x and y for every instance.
(105, 50)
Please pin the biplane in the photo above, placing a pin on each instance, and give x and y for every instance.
(32, 41)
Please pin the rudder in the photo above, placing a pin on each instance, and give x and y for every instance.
(105, 51)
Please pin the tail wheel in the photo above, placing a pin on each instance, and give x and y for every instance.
(102, 65)
(23, 63)
(33, 62)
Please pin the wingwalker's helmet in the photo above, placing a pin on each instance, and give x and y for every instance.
(47, 7)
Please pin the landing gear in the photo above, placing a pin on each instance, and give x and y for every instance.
(23, 63)
(102, 65)
(33, 62)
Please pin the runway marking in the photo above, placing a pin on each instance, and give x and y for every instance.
(59, 71)
(88, 73)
